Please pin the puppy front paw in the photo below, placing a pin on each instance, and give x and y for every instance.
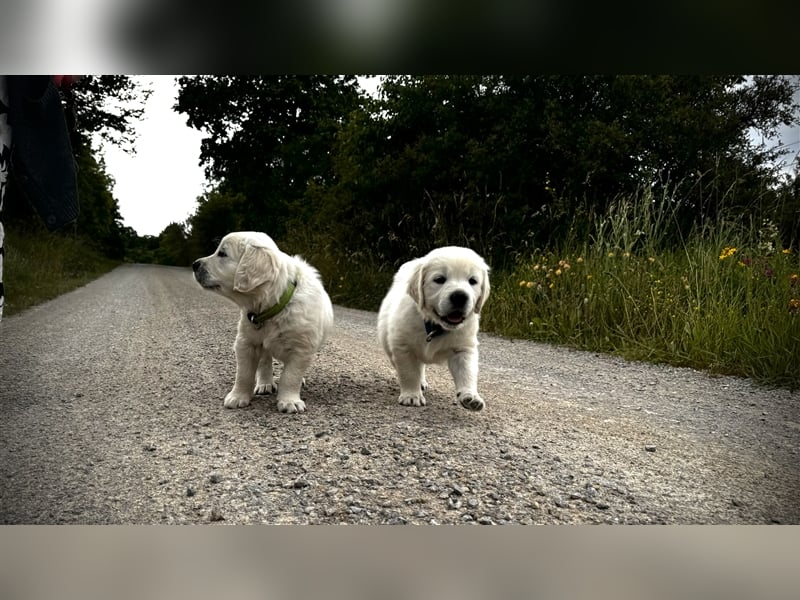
(291, 406)
(262, 389)
(470, 400)
(236, 399)
(412, 400)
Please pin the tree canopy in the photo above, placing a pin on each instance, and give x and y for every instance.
(501, 163)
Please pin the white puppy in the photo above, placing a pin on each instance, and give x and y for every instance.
(431, 315)
(285, 313)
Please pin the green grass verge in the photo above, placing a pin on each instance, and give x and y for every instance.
(726, 301)
(39, 266)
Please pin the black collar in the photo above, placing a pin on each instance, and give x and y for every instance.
(433, 330)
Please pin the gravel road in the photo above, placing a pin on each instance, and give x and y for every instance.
(112, 413)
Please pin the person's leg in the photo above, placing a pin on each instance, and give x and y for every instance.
(5, 160)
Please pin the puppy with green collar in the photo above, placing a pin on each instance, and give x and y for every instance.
(285, 314)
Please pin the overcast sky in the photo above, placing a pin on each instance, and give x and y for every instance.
(161, 182)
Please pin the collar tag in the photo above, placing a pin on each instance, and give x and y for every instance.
(433, 330)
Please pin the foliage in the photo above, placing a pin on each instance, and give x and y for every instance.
(269, 138)
(727, 300)
(108, 106)
(503, 164)
(40, 265)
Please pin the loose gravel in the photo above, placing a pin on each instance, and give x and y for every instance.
(112, 413)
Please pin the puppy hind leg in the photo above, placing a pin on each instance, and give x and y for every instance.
(423, 385)
(265, 382)
(464, 369)
(289, 385)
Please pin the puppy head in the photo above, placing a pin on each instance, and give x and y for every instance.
(450, 285)
(243, 262)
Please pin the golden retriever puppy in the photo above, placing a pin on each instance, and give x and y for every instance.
(431, 315)
(285, 313)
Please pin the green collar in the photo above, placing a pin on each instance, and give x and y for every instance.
(258, 319)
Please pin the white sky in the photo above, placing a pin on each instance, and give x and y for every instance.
(159, 184)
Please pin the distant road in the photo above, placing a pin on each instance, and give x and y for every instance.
(112, 412)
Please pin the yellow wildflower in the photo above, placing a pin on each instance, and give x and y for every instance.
(786, 251)
(727, 252)
(529, 284)
(558, 272)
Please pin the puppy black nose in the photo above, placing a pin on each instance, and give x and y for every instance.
(195, 265)
(458, 299)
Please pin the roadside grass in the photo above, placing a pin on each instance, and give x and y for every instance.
(39, 266)
(357, 280)
(726, 300)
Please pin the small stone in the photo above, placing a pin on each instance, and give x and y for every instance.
(365, 451)
(300, 484)
(473, 503)
(602, 505)
(149, 448)
(189, 492)
(453, 503)
(559, 502)
(216, 515)
(320, 434)
(485, 521)
(458, 489)
(650, 448)
(214, 478)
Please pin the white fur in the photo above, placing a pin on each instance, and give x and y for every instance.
(249, 269)
(423, 289)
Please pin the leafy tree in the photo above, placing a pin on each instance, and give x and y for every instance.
(268, 137)
(108, 106)
(99, 220)
(501, 162)
(217, 214)
(172, 246)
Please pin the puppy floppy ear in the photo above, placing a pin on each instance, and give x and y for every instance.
(484, 294)
(256, 267)
(415, 284)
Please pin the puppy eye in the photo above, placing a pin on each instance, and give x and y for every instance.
(440, 279)
(473, 281)
(222, 254)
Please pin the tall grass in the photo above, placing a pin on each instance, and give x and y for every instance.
(355, 279)
(725, 299)
(39, 266)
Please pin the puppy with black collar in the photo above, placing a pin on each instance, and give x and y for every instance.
(431, 314)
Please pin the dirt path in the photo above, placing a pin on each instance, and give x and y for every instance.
(112, 413)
